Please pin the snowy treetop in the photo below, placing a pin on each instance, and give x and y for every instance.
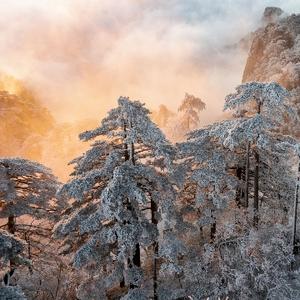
(130, 121)
(190, 102)
(10, 246)
(25, 185)
(269, 99)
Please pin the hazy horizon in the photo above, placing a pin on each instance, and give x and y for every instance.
(80, 56)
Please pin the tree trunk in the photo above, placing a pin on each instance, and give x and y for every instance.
(256, 189)
(11, 227)
(11, 224)
(256, 178)
(132, 154)
(295, 241)
(136, 259)
(213, 229)
(155, 250)
(126, 158)
(122, 282)
(240, 173)
(137, 254)
(238, 192)
(126, 152)
(247, 176)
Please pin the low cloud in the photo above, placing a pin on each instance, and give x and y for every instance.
(80, 55)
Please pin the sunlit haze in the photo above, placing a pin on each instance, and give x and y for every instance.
(79, 56)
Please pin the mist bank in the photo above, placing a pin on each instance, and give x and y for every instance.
(80, 56)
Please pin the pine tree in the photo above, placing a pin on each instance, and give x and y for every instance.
(261, 110)
(209, 186)
(190, 108)
(10, 246)
(27, 188)
(11, 249)
(188, 118)
(114, 185)
(229, 164)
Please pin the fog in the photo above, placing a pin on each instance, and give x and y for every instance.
(80, 55)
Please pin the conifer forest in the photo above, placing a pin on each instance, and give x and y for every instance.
(150, 150)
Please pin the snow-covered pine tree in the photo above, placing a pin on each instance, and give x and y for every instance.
(121, 195)
(261, 111)
(208, 186)
(252, 265)
(254, 138)
(190, 109)
(11, 293)
(187, 119)
(212, 157)
(11, 249)
(10, 246)
(27, 188)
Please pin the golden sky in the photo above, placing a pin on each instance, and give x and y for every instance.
(80, 55)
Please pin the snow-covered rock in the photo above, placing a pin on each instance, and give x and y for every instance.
(275, 54)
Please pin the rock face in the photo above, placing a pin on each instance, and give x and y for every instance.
(271, 14)
(275, 54)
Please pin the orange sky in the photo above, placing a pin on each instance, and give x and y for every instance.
(80, 55)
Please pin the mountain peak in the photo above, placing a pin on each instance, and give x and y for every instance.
(272, 14)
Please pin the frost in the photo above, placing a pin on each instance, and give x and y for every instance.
(121, 188)
(27, 188)
(11, 293)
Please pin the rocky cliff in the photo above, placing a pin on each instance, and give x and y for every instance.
(275, 52)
